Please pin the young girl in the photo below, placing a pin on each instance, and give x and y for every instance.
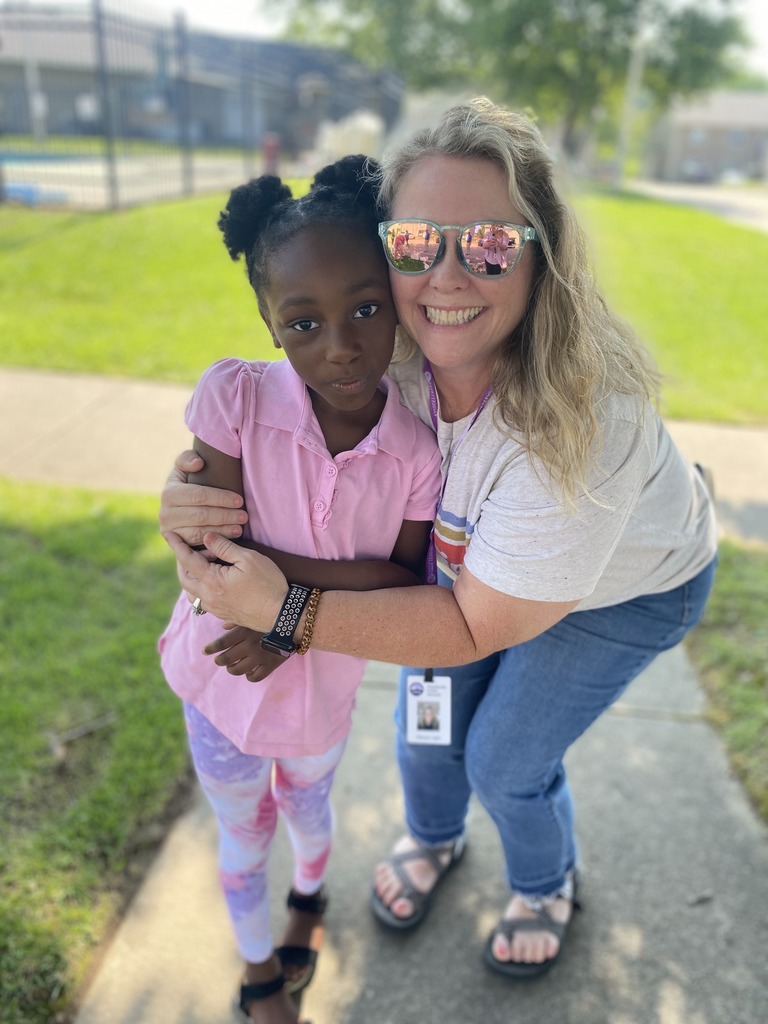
(313, 443)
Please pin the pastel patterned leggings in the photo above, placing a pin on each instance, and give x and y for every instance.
(246, 792)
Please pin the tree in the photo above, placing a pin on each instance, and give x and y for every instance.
(565, 59)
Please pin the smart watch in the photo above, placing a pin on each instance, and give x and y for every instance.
(279, 640)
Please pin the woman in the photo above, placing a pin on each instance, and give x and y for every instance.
(573, 543)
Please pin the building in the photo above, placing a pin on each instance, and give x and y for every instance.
(719, 137)
(76, 73)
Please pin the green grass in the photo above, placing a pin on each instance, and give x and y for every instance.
(729, 651)
(693, 286)
(151, 293)
(148, 292)
(86, 586)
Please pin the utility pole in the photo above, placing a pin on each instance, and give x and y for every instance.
(632, 87)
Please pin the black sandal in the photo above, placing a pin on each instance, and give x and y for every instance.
(302, 956)
(253, 992)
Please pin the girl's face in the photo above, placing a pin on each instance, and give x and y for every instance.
(329, 306)
(459, 321)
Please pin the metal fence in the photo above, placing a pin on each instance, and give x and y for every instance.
(102, 108)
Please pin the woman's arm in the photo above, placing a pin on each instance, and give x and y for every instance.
(417, 625)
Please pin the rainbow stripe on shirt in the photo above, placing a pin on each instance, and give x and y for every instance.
(452, 536)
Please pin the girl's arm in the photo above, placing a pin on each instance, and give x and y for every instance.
(404, 569)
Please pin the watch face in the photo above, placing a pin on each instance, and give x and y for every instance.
(278, 645)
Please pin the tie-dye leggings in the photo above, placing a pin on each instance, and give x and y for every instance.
(246, 792)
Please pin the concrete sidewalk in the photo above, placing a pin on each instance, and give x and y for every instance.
(675, 889)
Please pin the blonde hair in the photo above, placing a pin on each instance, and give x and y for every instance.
(569, 351)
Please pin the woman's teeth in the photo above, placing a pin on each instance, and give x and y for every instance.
(451, 317)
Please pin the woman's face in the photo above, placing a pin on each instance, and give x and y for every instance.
(459, 321)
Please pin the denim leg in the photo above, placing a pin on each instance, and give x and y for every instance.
(516, 715)
(544, 695)
(435, 784)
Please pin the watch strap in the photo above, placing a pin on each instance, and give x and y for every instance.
(280, 637)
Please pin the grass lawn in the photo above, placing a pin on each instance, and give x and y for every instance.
(152, 293)
(93, 758)
(693, 286)
(728, 649)
(86, 585)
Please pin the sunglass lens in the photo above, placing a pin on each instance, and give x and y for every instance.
(412, 245)
(491, 249)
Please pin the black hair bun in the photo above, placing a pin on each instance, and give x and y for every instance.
(353, 175)
(248, 209)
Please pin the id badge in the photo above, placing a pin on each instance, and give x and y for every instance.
(428, 709)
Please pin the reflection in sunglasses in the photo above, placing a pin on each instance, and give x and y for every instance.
(484, 249)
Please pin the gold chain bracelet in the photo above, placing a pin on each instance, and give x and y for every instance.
(306, 637)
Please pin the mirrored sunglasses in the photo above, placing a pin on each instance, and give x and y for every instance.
(484, 248)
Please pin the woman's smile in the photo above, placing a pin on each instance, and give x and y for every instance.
(451, 317)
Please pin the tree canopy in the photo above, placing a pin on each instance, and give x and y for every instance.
(565, 59)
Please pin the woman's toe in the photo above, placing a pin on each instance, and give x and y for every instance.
(401, 908)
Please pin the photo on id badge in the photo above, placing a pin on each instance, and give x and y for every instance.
(429, 709)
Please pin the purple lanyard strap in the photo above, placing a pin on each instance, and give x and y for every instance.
(431, 566)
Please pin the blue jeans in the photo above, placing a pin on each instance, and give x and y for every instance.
(514, 715)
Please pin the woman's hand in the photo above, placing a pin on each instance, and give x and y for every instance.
(239, 650)
(191, 509)
(249, 591)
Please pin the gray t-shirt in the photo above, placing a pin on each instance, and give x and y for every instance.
(648, 527)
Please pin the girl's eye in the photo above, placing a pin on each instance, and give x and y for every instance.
(367, 310)
(304, 325)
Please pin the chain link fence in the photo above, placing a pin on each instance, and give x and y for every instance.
(105, 105)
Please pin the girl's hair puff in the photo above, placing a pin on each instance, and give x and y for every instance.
(262, 215)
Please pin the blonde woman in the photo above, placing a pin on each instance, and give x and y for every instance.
(572, 543)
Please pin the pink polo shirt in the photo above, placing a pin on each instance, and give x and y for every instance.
(299, 499)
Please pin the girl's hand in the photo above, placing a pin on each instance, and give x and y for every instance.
(249, 591)
(239, 651)
(191, 509)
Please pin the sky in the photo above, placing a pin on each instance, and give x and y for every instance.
(249, 17)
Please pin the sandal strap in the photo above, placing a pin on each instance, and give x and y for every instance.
(421, 852)
(256, 991)
(317, 903)
(543, 921)
(297, 956)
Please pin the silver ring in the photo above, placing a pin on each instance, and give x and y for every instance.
(197, 607)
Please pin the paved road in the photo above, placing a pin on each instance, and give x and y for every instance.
(745, 205)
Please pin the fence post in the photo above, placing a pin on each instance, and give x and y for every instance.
(183, 107)
(246, 105)
(107, 118)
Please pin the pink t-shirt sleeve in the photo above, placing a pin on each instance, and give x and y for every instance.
(220, 404)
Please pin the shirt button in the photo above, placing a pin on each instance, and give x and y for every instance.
(330, 470)
(319, 506)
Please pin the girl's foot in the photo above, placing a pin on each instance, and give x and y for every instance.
(272, 1005)
(302, 938)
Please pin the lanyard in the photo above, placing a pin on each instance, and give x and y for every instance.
(431, 566)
